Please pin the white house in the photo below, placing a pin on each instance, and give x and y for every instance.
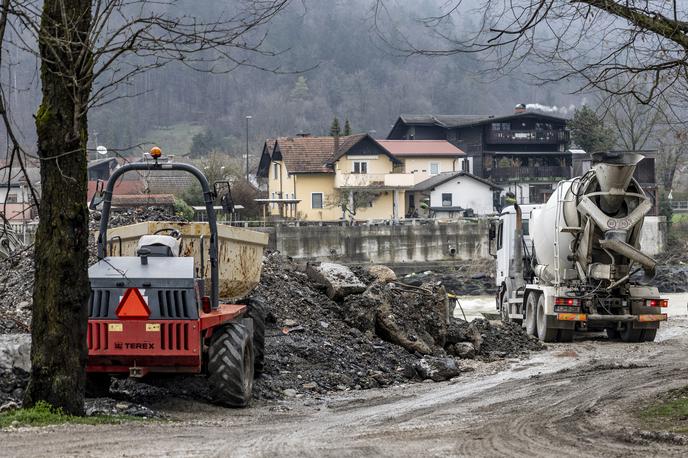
(450, 194)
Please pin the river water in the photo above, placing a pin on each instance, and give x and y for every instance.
(474, 306)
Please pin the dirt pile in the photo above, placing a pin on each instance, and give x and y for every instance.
(16, 289)
(671, 275)
(389, 334)
(310, 348)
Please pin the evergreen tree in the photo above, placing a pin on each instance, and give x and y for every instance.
(300, 89)
(335, 130)
(589, 132)
(347, 127)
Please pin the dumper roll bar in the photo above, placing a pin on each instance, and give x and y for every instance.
(208, 197)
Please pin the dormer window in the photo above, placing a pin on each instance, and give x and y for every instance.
(360, 167)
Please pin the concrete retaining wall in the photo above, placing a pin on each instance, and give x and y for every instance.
(412, 243)
(653, 237)
(428, 242)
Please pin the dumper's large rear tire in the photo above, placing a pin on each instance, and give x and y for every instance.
(230, 365)
(531, 310)
(256, 311)
(545, 333)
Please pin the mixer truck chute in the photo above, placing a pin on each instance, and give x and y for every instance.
(567, 265)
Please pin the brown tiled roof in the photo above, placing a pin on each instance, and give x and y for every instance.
(142, 200)
(314, 154)
(307, 154)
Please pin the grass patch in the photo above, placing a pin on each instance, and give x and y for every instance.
(174, 139)
(669, 412)
(43, 414)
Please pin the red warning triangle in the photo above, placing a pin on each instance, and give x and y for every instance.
(132, 305)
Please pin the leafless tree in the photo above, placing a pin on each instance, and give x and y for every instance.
(643, 43)
(86, 50)
(637, 125)
(672, 157)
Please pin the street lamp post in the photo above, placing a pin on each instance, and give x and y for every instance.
(247, 118)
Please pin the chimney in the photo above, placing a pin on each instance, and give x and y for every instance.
(336, 143)
(520, 108)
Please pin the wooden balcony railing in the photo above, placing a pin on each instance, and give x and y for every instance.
(536, 136)
(544, 173)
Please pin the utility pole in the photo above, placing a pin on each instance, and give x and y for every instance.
(247, 118)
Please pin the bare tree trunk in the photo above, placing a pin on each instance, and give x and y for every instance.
(59, 352)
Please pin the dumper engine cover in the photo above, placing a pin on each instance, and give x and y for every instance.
(166, 284)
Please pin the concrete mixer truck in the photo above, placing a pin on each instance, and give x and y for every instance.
(569, 264)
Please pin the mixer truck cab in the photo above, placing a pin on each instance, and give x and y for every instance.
(575, 263)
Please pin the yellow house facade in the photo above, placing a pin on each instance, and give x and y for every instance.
(346, 178)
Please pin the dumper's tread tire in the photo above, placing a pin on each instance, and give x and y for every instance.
(630, 335)
(648, 335)
(97, 385)
(613, 333)
(565, 335)
(543, 332)
(531, 310)
(230, 365)
(257, 311)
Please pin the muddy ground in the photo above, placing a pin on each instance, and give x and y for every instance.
(570, 400)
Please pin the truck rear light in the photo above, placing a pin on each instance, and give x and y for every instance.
(657, 302)
(567, 301)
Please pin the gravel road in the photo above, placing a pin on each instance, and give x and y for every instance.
(570, 400)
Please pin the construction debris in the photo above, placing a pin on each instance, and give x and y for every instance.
(338, 280)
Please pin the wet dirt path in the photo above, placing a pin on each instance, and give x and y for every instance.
(571, 400)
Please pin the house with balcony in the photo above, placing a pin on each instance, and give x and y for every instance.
(525, 153)
(16, 200)
(332, 178)
(351, 177)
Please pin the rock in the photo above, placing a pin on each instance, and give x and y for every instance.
(415, 318)
(310, 385)
(338, 280)
(464, 350)
(289, 323)
(289, 392)
(15, 352)
(436, 369)
(8, 406)
(381, 273)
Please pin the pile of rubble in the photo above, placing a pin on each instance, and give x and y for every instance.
(330, 329)
(16, 290)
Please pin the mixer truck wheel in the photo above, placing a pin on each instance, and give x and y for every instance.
(628, 334)
(613, 334)
(504, 308)
(565, 335)
(648, 335)
(531, 310)
(544, 333)
(230, 365)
